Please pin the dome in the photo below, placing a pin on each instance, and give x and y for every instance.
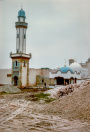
(65, 69)
(76, 67)
(21, 13)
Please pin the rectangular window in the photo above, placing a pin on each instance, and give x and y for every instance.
(9, 75)
(24, 65)
(24, 19)
(17, 35)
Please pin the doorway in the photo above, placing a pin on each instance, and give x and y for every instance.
(66, 81)
(15, 81)
(60, 80)
(75, 80)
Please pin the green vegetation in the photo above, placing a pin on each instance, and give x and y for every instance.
(3, 92)
(41, 95)
(44, 97)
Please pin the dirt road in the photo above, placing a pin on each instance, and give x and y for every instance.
(20, 115)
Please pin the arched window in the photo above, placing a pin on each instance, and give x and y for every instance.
(42, 80)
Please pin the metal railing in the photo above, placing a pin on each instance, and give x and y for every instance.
(21, 24)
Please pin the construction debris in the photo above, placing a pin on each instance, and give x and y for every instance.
(9, 89)
(65, 90)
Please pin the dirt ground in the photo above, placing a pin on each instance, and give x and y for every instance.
(19, 114)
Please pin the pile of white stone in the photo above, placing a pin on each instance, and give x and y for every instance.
(7, 88)
(65, 90)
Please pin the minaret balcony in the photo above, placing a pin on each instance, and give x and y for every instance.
(23, 24)
(20, 55)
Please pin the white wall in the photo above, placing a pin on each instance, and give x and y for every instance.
(34, 72)
(65, 75)
(78, 81)
(24, 42)
(86, 66)
(21, 19)
(32, 76)
(84, 73)
(17, 39)
(3, 76)
(21, 39)
(24, 75)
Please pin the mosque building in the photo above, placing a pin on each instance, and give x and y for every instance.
(23, 76)
(65, 75)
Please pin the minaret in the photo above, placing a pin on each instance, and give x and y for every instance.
(71, 61)
(20, 60)
(21, 27)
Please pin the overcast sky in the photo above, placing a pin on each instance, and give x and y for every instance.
(57, 30)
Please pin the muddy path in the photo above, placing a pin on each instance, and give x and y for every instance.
(20, 115)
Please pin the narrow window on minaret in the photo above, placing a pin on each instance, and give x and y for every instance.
(17, 35)
(24, 36)
(16, 63)
(24, 64)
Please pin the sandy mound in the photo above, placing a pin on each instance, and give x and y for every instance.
(73, 106)
(9, 89)
(65, 90)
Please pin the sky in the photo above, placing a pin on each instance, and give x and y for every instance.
(57, 31)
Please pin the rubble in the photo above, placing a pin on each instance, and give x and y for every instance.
(65, 90)
(7, 88)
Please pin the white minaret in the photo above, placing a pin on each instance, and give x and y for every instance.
(20, 60)
(21, 27)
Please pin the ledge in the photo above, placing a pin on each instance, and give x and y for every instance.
(20, 55)
(21, 24)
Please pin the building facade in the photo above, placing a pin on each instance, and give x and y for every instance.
(65, 75)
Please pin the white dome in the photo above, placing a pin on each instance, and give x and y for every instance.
(76, 67)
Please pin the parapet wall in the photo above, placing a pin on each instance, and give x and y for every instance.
(41, 80)
(34, 72)
(5, 76)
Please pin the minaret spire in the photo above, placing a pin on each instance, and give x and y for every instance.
(21, 6)
(21, 27)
